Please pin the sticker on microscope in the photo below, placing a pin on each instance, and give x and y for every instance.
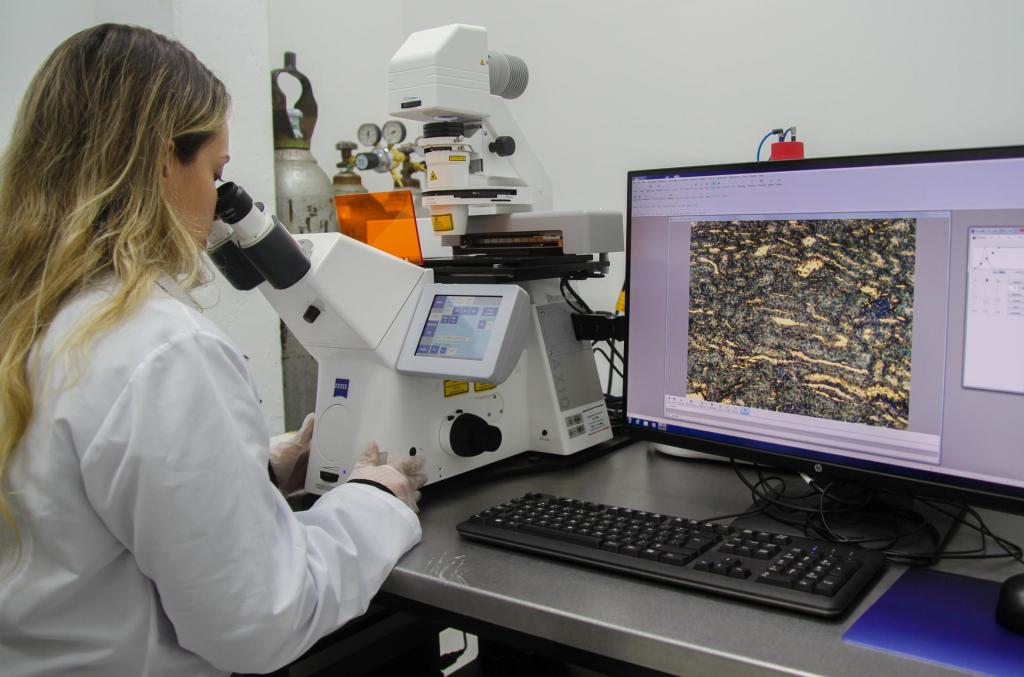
(341, 387)
(452, 388)
(596, 419)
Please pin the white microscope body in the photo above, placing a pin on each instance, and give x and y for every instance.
(367, 392)
(460, 374)
(489, 195)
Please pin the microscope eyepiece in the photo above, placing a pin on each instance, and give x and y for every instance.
(233, 203)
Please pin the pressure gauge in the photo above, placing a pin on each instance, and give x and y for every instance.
(394, 132)
(368, 134)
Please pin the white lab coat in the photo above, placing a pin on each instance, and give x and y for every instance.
(153, 542)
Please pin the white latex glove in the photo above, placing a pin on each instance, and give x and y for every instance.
(289, 456)
(404, 478)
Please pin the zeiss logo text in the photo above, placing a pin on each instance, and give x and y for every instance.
(341, 387)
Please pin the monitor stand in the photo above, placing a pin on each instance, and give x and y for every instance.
(875, 521)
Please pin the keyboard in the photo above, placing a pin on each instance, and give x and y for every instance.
(800, 574)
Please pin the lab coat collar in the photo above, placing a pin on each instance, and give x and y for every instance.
(171, 286)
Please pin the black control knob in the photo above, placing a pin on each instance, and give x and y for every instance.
(471, 436)
(503, 146)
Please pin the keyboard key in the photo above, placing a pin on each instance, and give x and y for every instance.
(842, 570)
(776, 579)
(739, 572)
(557, 535)
(827, 586)
(676, 558)
(701, 543)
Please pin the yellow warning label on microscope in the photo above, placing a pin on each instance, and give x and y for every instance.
(453, 388)
(442, 222)
(456, 158)
(480, 387)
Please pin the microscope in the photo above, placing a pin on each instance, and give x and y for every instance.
(463, 361)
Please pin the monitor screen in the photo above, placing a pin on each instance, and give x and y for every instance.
(459, 327)
(854, 316)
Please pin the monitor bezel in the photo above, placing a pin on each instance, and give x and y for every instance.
(899, 479)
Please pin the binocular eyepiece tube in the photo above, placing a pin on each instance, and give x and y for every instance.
(258, 248)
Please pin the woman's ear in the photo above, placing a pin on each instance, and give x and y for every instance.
(169, 159)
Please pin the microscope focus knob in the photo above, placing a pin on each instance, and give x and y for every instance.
(503, 146)
(471, 436)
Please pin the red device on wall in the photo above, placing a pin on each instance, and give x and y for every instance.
(787, 150)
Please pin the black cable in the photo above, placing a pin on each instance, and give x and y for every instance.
(719, 518)
(757, 494)
(572, 298)
(610, 364)
(578, 305)
(615, 351)
(1010, 548)
(776, 504)
(577, 297)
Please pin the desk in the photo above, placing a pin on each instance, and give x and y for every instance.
(646, 624)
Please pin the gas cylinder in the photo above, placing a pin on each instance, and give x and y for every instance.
(346, 181)
(305, 198)
(305, 204)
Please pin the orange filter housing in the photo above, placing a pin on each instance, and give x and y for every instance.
(385, 220)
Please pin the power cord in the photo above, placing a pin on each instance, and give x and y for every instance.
(782, 137)
(605, 347)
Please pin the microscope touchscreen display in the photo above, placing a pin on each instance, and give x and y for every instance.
(459, 326)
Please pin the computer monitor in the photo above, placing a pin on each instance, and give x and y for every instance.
(852, 317)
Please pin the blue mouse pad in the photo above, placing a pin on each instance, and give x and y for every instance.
(941, 618)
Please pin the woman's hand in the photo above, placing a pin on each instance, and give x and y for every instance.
(289, 456)
(403, 478)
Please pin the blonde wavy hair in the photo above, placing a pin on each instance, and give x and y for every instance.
(81, 197)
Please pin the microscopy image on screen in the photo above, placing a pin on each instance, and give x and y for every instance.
(810, 317)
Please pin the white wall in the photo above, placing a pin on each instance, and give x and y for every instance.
(230, 37)
(616, 86)
(28, 33)
(343, 48)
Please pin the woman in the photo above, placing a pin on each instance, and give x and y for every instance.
(140, 532)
